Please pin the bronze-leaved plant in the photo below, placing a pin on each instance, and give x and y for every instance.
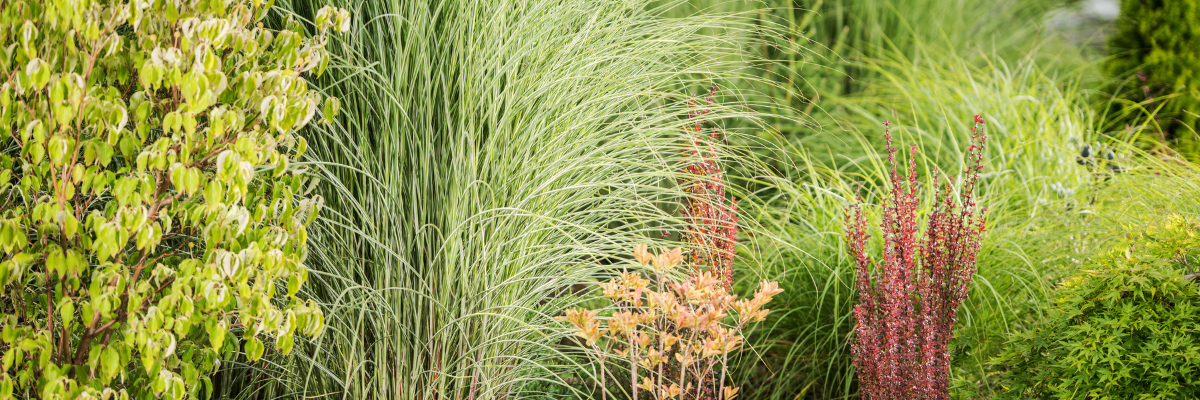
(676, 336)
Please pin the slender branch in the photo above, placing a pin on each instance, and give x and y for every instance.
(49, 308)
(633, 365)
(724, 367)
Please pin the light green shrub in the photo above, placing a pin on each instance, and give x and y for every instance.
(1128, 328)
(148, 205)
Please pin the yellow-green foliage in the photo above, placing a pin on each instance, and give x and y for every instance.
(1156, 53)
(1127, 328)
(147, 204)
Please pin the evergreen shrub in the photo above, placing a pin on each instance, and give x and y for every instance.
(1156, 53)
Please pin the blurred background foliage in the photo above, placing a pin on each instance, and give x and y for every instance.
(1155, 71)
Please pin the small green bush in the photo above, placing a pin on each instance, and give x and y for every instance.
(1130, 328)
(1156, 53)
(150, 221)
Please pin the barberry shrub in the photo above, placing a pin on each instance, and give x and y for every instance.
(674, 336)
(1127, 327)
(150, 214)
(907, 300)
(711, 222)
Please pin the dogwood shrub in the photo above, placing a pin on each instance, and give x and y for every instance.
(149, 215)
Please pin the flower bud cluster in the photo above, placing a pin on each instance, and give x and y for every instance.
(675, 335)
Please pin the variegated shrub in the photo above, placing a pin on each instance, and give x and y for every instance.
(150, 221)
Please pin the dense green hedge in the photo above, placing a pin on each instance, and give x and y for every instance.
(1156, 53)
(1128, 328)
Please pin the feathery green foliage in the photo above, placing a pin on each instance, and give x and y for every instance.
(1126, 327)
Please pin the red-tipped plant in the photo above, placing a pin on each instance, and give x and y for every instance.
(711, 218)
(908, 299)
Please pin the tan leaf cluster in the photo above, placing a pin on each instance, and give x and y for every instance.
(676, 334)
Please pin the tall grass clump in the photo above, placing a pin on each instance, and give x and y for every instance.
(492, 158)
(839, 36)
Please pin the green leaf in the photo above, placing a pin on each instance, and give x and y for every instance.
(280, 167)
(284, 343)
(66, 312)
(216, 335)
(28, 36)
(110, 361)
(254, 348)
(55, 262)
(38, 72)
(293, 285)
(6, 271)
(35, 131)
(332, 107)
(6, 388)
(58, 149)
(150, 362)
(214, 193)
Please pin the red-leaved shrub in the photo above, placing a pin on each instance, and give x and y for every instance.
(711, 218)
(907, 300)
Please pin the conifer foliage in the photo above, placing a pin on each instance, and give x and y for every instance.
(1155, 61)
